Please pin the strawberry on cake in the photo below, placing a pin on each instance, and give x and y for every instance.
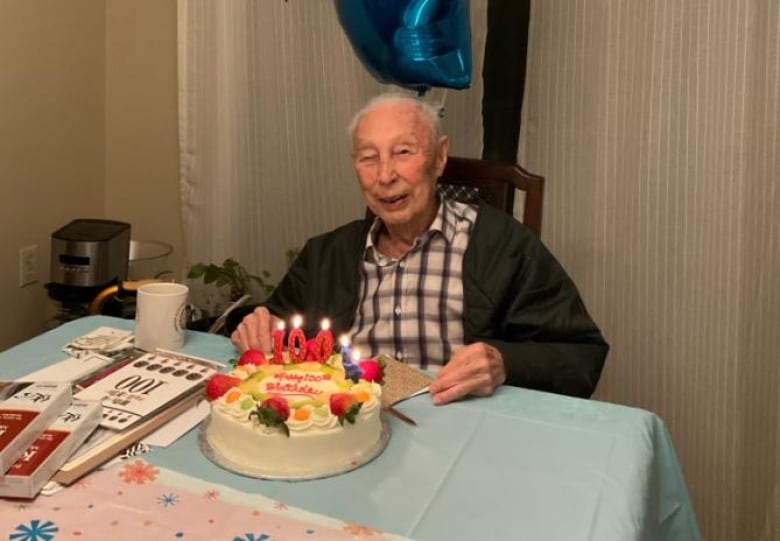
(295, 419)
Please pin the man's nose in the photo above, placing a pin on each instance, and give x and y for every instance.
(386, 172)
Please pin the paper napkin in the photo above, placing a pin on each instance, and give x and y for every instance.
(402, 381)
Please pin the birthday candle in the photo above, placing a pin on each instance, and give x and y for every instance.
(345, 351)
(352, 370)
(296, 341)
(278, 339)
(324, 341)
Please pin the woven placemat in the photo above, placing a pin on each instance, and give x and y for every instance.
(401, 380)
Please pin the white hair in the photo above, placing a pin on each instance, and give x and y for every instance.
(429, 113)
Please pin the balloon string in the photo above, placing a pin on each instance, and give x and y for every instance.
(421, 94)
(433, 101)
(443, 101)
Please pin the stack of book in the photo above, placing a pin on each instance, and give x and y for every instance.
(65, 429)
(139, 394)
(40, 427)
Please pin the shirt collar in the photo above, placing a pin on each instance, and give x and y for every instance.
(443, 224)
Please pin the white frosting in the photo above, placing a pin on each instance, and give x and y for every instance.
(316, 445)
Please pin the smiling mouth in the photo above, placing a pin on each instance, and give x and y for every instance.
(391, 200)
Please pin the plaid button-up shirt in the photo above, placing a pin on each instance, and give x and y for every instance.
(412, 308)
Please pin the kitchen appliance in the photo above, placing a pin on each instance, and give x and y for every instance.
(86, 256)
(90, 253)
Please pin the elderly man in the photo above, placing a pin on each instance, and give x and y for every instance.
(466, 292)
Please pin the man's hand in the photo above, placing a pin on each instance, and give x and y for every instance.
(254, 331)
(476, 369)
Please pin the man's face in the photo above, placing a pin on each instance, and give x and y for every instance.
(397, 163)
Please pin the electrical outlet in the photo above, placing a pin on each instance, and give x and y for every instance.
(28, 265)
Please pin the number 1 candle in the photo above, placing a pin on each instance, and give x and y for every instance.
(278, 340)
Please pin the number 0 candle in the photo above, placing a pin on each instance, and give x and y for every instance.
(324, 341)
(296, 341)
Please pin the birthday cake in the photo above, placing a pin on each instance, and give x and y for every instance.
(293, 418)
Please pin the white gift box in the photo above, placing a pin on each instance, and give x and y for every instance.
(51, 449)
(29, 409)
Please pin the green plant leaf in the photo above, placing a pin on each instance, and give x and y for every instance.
(211, 274)
(234, 275)
(196, 271)
(291, 254)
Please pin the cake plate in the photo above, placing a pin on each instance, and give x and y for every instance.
(259, 473)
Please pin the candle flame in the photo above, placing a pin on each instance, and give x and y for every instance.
(344, 340)
(355, 354)
(280, 325)
(325, 324)
(297, 321)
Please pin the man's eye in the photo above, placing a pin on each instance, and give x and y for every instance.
(366, 158)
(402, 151)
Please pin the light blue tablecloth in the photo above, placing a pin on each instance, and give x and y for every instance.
(518, 465)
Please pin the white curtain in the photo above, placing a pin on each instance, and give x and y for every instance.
(266, 92)
(657, 125)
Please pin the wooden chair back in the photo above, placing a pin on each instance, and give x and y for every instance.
(471, 180)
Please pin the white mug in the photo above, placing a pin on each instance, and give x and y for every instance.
(160, 316)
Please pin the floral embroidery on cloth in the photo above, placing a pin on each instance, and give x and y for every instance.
(138, 472)
(134, 501)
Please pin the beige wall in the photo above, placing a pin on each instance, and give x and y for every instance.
(87, 129)
(51, 139)
(142, 156)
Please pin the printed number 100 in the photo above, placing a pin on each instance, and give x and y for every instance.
(137, 384)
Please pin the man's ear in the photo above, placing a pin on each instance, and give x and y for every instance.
(442, 149)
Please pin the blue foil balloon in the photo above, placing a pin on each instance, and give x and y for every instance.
(415, 44)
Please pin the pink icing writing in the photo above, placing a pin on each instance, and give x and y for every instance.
(296, 383)
(299, 377)
(290, 388)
